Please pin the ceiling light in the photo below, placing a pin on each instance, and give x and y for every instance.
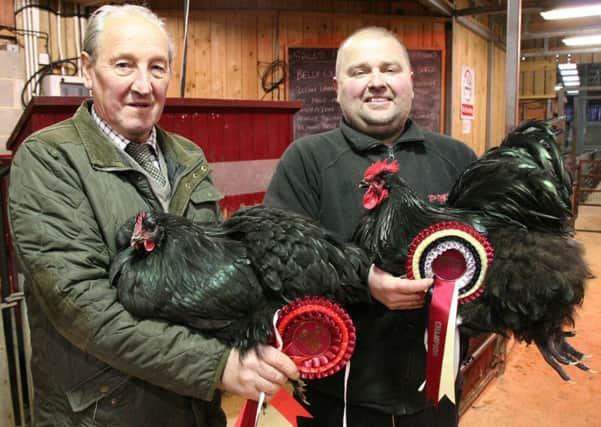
(572, 12)
(569, 72)
(582, 40)
(572, 92)
(570, 78)
(571, 84)
(567, 66)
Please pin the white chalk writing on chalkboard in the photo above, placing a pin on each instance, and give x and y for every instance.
(311, 72)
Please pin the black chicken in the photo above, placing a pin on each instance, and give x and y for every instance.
(518, 195)
(229, 279)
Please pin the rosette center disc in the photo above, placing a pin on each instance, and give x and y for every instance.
(311, 338)
(450, 265)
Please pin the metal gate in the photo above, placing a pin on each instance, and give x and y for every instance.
(15, 350)
(587, 193)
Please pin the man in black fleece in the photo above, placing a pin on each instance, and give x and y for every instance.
(318, 176)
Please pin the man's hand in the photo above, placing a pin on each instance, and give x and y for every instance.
(264, 370)
(397, 293)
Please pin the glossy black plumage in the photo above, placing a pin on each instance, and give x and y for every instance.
(227, 280)
(518, 195)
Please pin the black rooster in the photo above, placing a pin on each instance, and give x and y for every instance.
(229, 279)
(518, 195)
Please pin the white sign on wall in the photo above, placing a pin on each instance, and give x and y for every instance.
(467, 92)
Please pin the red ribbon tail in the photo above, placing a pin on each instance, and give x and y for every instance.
(289, 407)
(247, 414)
(437, 330)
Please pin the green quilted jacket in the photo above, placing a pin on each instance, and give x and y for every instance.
(93, 363)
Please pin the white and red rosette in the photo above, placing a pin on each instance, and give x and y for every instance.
(455, 251)
(317, 334)
(458, 258)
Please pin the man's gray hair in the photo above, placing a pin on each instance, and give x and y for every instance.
(376, 32)
(98, 19)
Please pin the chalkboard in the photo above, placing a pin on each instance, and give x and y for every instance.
(311, 71)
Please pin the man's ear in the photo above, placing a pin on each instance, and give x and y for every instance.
(86, 68)
(335, 84)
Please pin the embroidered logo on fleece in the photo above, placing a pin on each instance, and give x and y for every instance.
(440, 198)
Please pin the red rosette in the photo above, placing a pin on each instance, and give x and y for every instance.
(317, 334)
(459, 252)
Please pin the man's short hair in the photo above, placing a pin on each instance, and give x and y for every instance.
(375, 31)
(98, 19)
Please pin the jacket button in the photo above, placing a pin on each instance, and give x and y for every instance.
(188, 185)
(104, 389)
(194, 175)
(203, 168)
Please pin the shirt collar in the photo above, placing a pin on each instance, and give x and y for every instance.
(363, 142)
(119, 140)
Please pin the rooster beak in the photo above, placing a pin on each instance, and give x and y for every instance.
(363, 184)
(135, 238)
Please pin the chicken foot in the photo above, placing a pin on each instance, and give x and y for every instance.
(556, 350)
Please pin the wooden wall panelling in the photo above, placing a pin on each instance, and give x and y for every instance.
(267, 51)
(424, 34)
(539, 82)
(174, 26)
(375, 20)
(550, 81)
(317, 29)
(527, 82)
(290, 31)
(218, 54)
(233, 51)
(199, 80)
(249, 60)
(229, 51)
(499, 97)
(537, 78)
(472, 50)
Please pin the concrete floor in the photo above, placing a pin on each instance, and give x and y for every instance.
(529, 393)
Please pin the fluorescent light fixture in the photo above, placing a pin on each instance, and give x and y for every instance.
(571, 84)
(570, 78)
(572, 12)
(567, 66)
(568, 72)
(582, 40)
(572, 92)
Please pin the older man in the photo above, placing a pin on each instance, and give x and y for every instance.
(318, 176)
(71, 186)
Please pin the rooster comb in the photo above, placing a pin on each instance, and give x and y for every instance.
(140, 219)
(380, 167)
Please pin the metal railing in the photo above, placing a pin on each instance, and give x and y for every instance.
(15, 350)
(587, 191)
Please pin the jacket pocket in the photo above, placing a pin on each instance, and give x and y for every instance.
(91, 390)
(203, 203)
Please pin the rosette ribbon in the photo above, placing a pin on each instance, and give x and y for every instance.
(319, 336)
(458, 258)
